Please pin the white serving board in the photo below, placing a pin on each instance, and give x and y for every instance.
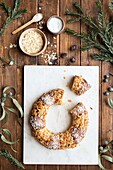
(41, 79)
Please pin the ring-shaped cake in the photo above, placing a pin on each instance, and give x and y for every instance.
(62, 140)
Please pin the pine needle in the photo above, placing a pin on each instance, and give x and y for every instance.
(12, 14)
(13, 160)
(100, 34)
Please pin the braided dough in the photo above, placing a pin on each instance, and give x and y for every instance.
(71, 137)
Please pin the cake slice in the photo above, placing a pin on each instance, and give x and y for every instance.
(80, 85)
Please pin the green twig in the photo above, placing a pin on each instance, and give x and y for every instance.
(13, 160)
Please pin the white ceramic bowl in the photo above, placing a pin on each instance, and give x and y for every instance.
(43, 37)
(63, 24)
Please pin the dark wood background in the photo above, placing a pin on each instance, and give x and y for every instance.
(13, 75)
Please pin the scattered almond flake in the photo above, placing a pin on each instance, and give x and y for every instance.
(6, 47)
(69, 100)
(40, 27)
(48, 42)
(50, 63)
(51, 45)
(40, 8)
(54, 37)
(55, 46)
(12, 45)
(50, 57)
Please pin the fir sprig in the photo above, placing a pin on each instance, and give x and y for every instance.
(13, 160)
(12, 14)
(99, 34)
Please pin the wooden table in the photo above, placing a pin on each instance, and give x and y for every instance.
(13, 75)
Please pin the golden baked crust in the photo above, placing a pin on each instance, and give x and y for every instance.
(71, 137)
(80, 85)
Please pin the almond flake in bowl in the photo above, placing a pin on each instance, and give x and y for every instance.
(33, 42)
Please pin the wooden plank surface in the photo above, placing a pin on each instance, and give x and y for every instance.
(14, 75)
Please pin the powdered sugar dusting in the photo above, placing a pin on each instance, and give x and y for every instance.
(54, 143)
(37, 123)
(78, 134)
(85, 87)
(78, 110)
(48, 99)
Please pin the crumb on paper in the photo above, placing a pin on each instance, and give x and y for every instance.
(69, 100)
(67, 85)
(64, 77)
(91, 108)
(64, 70)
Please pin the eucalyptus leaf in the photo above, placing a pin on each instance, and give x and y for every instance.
(108, 158)
(110, 102)
(111, 151)
(3, 60)
(100, 164)
(3, 99)
(9, 56)
(3, 138)
(18, 106)
(12, 110)
(3, 114)
(4, 121)
(7, 132)
(13, 149)
(105, 150)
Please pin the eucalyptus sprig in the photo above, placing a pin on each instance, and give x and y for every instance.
(99, 34)
(106, 153)
(13, 160)
(110, 103)
(12, 14)
(17, 109)
(11, 59)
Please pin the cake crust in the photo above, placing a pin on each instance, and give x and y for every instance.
(80, 85)
(62, 140)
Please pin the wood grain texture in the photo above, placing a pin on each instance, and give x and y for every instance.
(14, 75)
